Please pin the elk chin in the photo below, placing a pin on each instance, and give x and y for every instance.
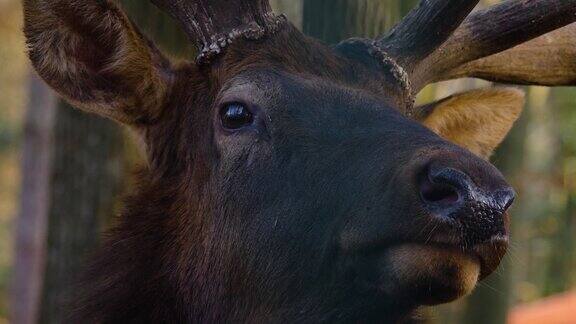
(429, 275)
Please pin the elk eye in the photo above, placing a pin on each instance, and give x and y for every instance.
(235, 116)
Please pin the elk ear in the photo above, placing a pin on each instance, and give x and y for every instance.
(95, 57)
(478, 120)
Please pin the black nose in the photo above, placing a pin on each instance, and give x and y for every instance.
(444, 189)
(448, 192)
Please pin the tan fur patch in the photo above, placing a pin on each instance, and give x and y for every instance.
(478, 120)
(415, 267)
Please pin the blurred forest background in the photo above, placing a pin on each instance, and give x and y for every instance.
(61, 172)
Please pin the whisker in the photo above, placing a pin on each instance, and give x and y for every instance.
(431, 234)
(484, 284)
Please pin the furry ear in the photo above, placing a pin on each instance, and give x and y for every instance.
(478, 120)
(92, 55)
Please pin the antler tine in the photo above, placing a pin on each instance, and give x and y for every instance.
(549, 60)
(213, 24)
(420, 33)
(424, 29)
(495, 30)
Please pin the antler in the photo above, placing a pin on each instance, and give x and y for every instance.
(213, 24)
(434, 43)
(549, 60)
(424, 29)
(420, 33)
(500, 28)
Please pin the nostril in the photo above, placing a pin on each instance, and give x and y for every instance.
(443, 190)
(505, 198)
(438, 193)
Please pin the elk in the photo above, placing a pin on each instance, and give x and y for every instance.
(291, 181)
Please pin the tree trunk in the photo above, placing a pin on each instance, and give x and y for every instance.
(335, 20)
(560, 272)
(84, 180)
(31, 223)
(160, 27)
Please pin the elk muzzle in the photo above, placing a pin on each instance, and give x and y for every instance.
(451, 233)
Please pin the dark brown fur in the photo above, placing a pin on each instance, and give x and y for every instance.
(289, 220)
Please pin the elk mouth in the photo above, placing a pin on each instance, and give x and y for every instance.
(429, 273)
(439, 258)
(424, 274)
(439, 266)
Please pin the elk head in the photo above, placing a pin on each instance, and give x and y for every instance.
(288, 180)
